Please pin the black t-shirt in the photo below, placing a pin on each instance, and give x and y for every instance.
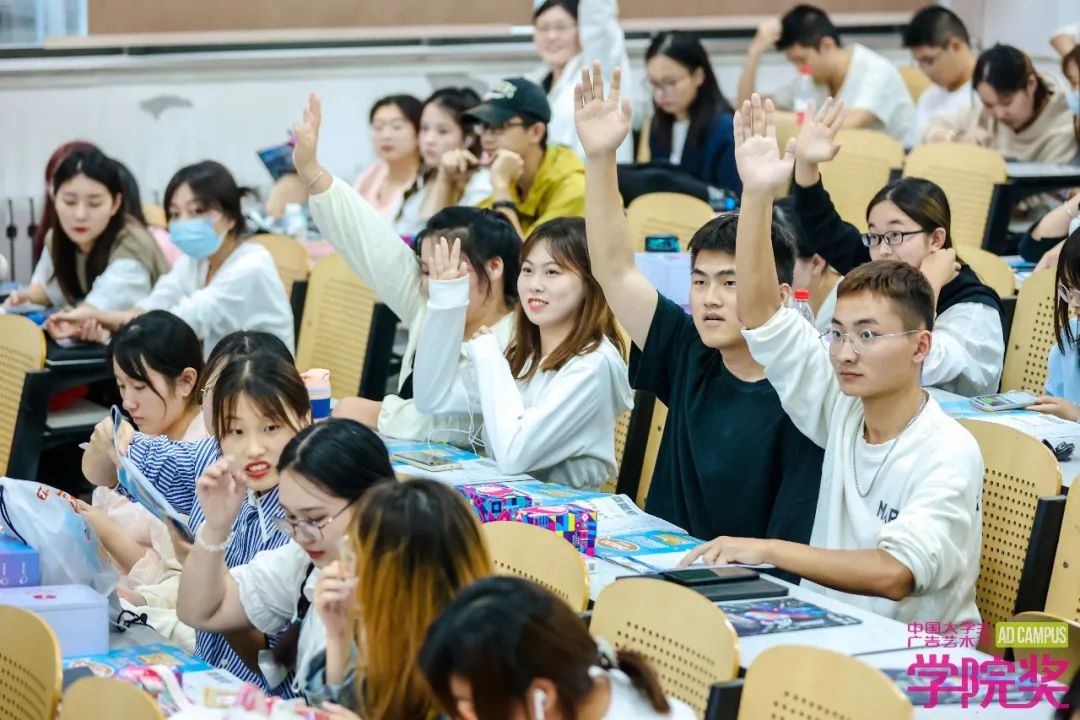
(730, 462)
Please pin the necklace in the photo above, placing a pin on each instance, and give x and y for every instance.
(855, 438)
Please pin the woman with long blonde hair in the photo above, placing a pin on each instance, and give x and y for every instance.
(416, 546)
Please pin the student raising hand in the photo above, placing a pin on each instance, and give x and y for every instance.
(761, 166)
(305, 153)
(447, 264)
(602, 125)
(816, 142)
(221, 496)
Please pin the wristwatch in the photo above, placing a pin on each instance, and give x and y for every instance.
(508, 204)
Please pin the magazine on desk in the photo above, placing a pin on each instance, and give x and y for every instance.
(623, 529)
(777, 615)
(1038, 425)
(478, 470)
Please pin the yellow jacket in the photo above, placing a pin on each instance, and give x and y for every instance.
(557, 191)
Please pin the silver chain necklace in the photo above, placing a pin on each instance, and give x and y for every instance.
(855, 439)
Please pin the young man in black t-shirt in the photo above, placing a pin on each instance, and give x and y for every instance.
(730, 461)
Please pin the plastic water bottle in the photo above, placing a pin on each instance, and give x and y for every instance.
(295, 222)
(802, 305)
(804, 94)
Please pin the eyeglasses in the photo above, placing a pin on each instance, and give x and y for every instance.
(307, 530)
(833, 340)
(891, 238)
(498, 130)
(665, 87)
(1068, 295)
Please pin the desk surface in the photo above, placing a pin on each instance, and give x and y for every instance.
(1041, 172)
(874, 634)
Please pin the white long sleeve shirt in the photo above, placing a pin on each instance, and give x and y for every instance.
(409, 220)
(968, 352)
(925, 507)
(602, 39)
(245, 294)
(558, 426)
(375, 252)
(121, 286)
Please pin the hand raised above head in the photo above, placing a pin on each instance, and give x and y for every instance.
(602, 124)
(762, 167)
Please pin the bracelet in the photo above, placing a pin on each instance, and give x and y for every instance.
(212, 548)
(315, 179)
(507, 204)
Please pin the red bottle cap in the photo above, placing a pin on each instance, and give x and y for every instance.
(801, 295)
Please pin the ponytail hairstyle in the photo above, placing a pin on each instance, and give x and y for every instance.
(1006, 70)
(417, 546)
(158, 341)
(96, 166)
(565, 239)
(215, 189)
(1068, 274)
(343, 458)
(484, 234)
(270, 382)
(503, 633)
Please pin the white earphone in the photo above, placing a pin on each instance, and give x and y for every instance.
(539, 697)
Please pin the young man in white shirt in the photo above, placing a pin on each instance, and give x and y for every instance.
(869, 84)
(940, 45)
(899, 523)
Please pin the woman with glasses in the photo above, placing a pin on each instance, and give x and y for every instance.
(908, 220)
(1063, 380)
(692, 120)
(222, 283)
(570, 34)
(322, 473)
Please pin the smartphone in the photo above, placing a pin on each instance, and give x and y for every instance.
(430, 460)
(1003, 401)
(696, 577)
(662, 243)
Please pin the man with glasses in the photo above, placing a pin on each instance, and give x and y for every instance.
(898, 528)
(940, 46)
(531, 181)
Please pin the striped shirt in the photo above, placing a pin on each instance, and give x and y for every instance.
(173, 466)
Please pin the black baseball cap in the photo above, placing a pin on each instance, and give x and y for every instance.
(510, 98)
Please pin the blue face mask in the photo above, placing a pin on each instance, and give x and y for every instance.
(195, 237)
(1072, 99)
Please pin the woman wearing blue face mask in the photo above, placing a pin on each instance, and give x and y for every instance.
(221, 283)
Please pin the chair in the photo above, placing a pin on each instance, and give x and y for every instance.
(1031, 335)
(688, 640)
(97, 698)
(1070, 654)
(1063, 597)
(915, 80)
(541, 556)
(797, 681)
(30, 668)
(155, 215)
(290, 258)
(22, 351)
(990, 268)
(652, 448)
(622, 430)
(337, 323)
(967, 174)
(643, 153)
(665, 213)
(863, 167)
(1019, 470)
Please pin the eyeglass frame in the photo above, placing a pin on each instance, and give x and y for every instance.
(1068, 295)
(487, 129)
(839, 340)
(290, 528)
(866, 237)
(667, 86)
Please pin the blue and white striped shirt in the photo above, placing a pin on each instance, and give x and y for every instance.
(173, 466)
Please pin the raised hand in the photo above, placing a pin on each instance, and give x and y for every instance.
(761, 166)
(307, 139)
(221, 496)
(816, 142)
(768, 32)
(446, 261)
(602, 125)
